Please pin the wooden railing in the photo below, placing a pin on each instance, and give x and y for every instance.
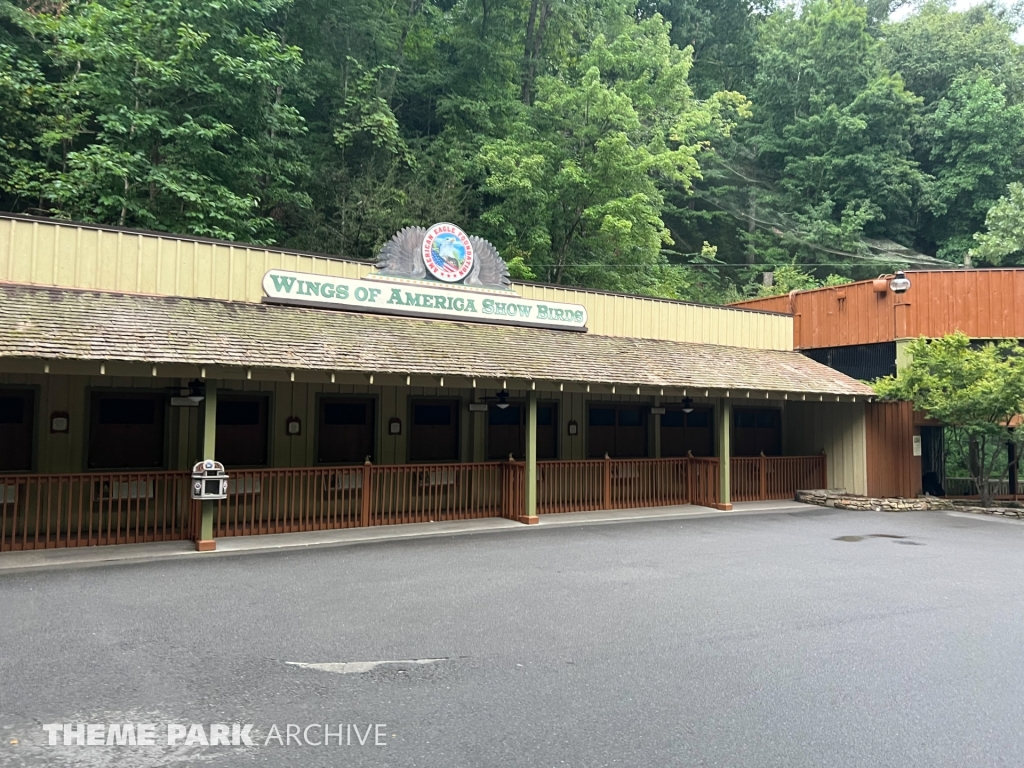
(289, 500)
(39, 511)
(48, 511)
(761, 478)
(579, 486)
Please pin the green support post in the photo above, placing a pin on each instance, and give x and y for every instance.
(530, 513)
(206, 542)
(656, 430)
(724, 454)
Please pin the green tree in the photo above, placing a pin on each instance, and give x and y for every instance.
(1005, 235)
(969, 138)
(976, 391)
(576, 188)
(832, 126)
(163, 114)
(936, 45)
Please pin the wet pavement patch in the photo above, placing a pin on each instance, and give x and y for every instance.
(872, 536)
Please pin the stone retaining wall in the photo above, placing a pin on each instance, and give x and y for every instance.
(842, 500)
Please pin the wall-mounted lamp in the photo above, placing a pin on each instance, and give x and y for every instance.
(293, 426)
(900, 283)
(395, 426)
(574, 429)
(59, 422)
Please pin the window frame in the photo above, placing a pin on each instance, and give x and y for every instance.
(35, 391)
(268, 400)
(707, 408)
(457, 406)
(325, 397)
(91, 417)
(755, 410)
(645, 425)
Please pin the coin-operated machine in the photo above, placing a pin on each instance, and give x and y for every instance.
(209, 481)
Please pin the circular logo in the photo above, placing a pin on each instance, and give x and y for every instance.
(447, 252)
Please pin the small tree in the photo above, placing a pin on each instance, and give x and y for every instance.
(975, 391)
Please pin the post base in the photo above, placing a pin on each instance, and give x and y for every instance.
(722, 507)
(206, 545)
(528, 520)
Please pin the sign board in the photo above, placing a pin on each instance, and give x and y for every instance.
(420, 299)
(917, 445)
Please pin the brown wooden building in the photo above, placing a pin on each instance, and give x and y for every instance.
(862, 330)
(125, 357)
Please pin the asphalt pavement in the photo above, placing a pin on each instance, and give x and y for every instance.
(822, 638)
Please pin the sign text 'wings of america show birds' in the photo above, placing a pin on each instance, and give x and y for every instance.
(439, 272)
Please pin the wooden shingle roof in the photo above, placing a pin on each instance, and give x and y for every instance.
(62, 324)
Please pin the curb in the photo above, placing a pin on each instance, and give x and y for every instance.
(88, 557)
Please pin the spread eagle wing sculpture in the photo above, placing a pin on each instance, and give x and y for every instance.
(489, 269)
(401, 255)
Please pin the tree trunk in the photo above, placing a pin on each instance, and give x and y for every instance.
(535, 28)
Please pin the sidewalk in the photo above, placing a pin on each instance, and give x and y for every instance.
(18, 562)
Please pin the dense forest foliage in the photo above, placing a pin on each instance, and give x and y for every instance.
(678, 148)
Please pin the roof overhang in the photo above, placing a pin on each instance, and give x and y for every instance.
(75, 331)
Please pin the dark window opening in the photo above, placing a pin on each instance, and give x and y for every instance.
(12, 410)
(618, 430)
(346, 431)
(16, 430)
(433, 415)
(866, 362)
(757, 431)
(630, 417)
(243, 430)
(504, 417)
(506, 432)
(699, 418)
(434, 432)
(348, 414)
(126, 431)
(673, 419)
(238, 413)
(685, 433)
(127, 410)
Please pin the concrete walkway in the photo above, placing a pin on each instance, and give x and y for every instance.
(234, 545)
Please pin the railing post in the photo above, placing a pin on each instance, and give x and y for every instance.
(506, 486)
(367, 492)
(691, 483)
(607, 481)
(762, 469)
(823, 463)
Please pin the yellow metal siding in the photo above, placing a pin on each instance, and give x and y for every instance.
(838, 429)
(639, 317)
(67, 255)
